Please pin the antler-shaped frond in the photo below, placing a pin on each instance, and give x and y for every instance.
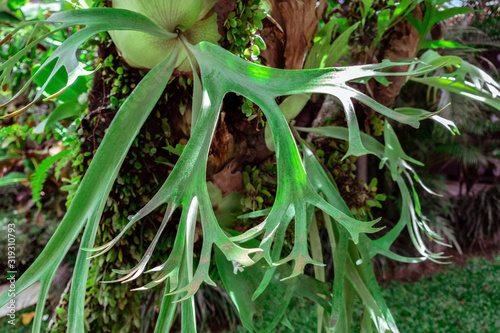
(94, 20)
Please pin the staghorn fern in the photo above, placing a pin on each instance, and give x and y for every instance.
(304, 189)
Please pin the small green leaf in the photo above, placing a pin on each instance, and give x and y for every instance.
(12, 178)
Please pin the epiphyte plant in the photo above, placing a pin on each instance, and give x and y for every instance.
(179, 35)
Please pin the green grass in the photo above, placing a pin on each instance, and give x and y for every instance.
(460, 299)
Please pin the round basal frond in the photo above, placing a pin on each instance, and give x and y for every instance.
(184, 18)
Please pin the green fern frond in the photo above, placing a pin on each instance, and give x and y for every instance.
(41, 174)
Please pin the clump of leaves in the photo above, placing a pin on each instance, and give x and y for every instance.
(484, 206)
(242, 26)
